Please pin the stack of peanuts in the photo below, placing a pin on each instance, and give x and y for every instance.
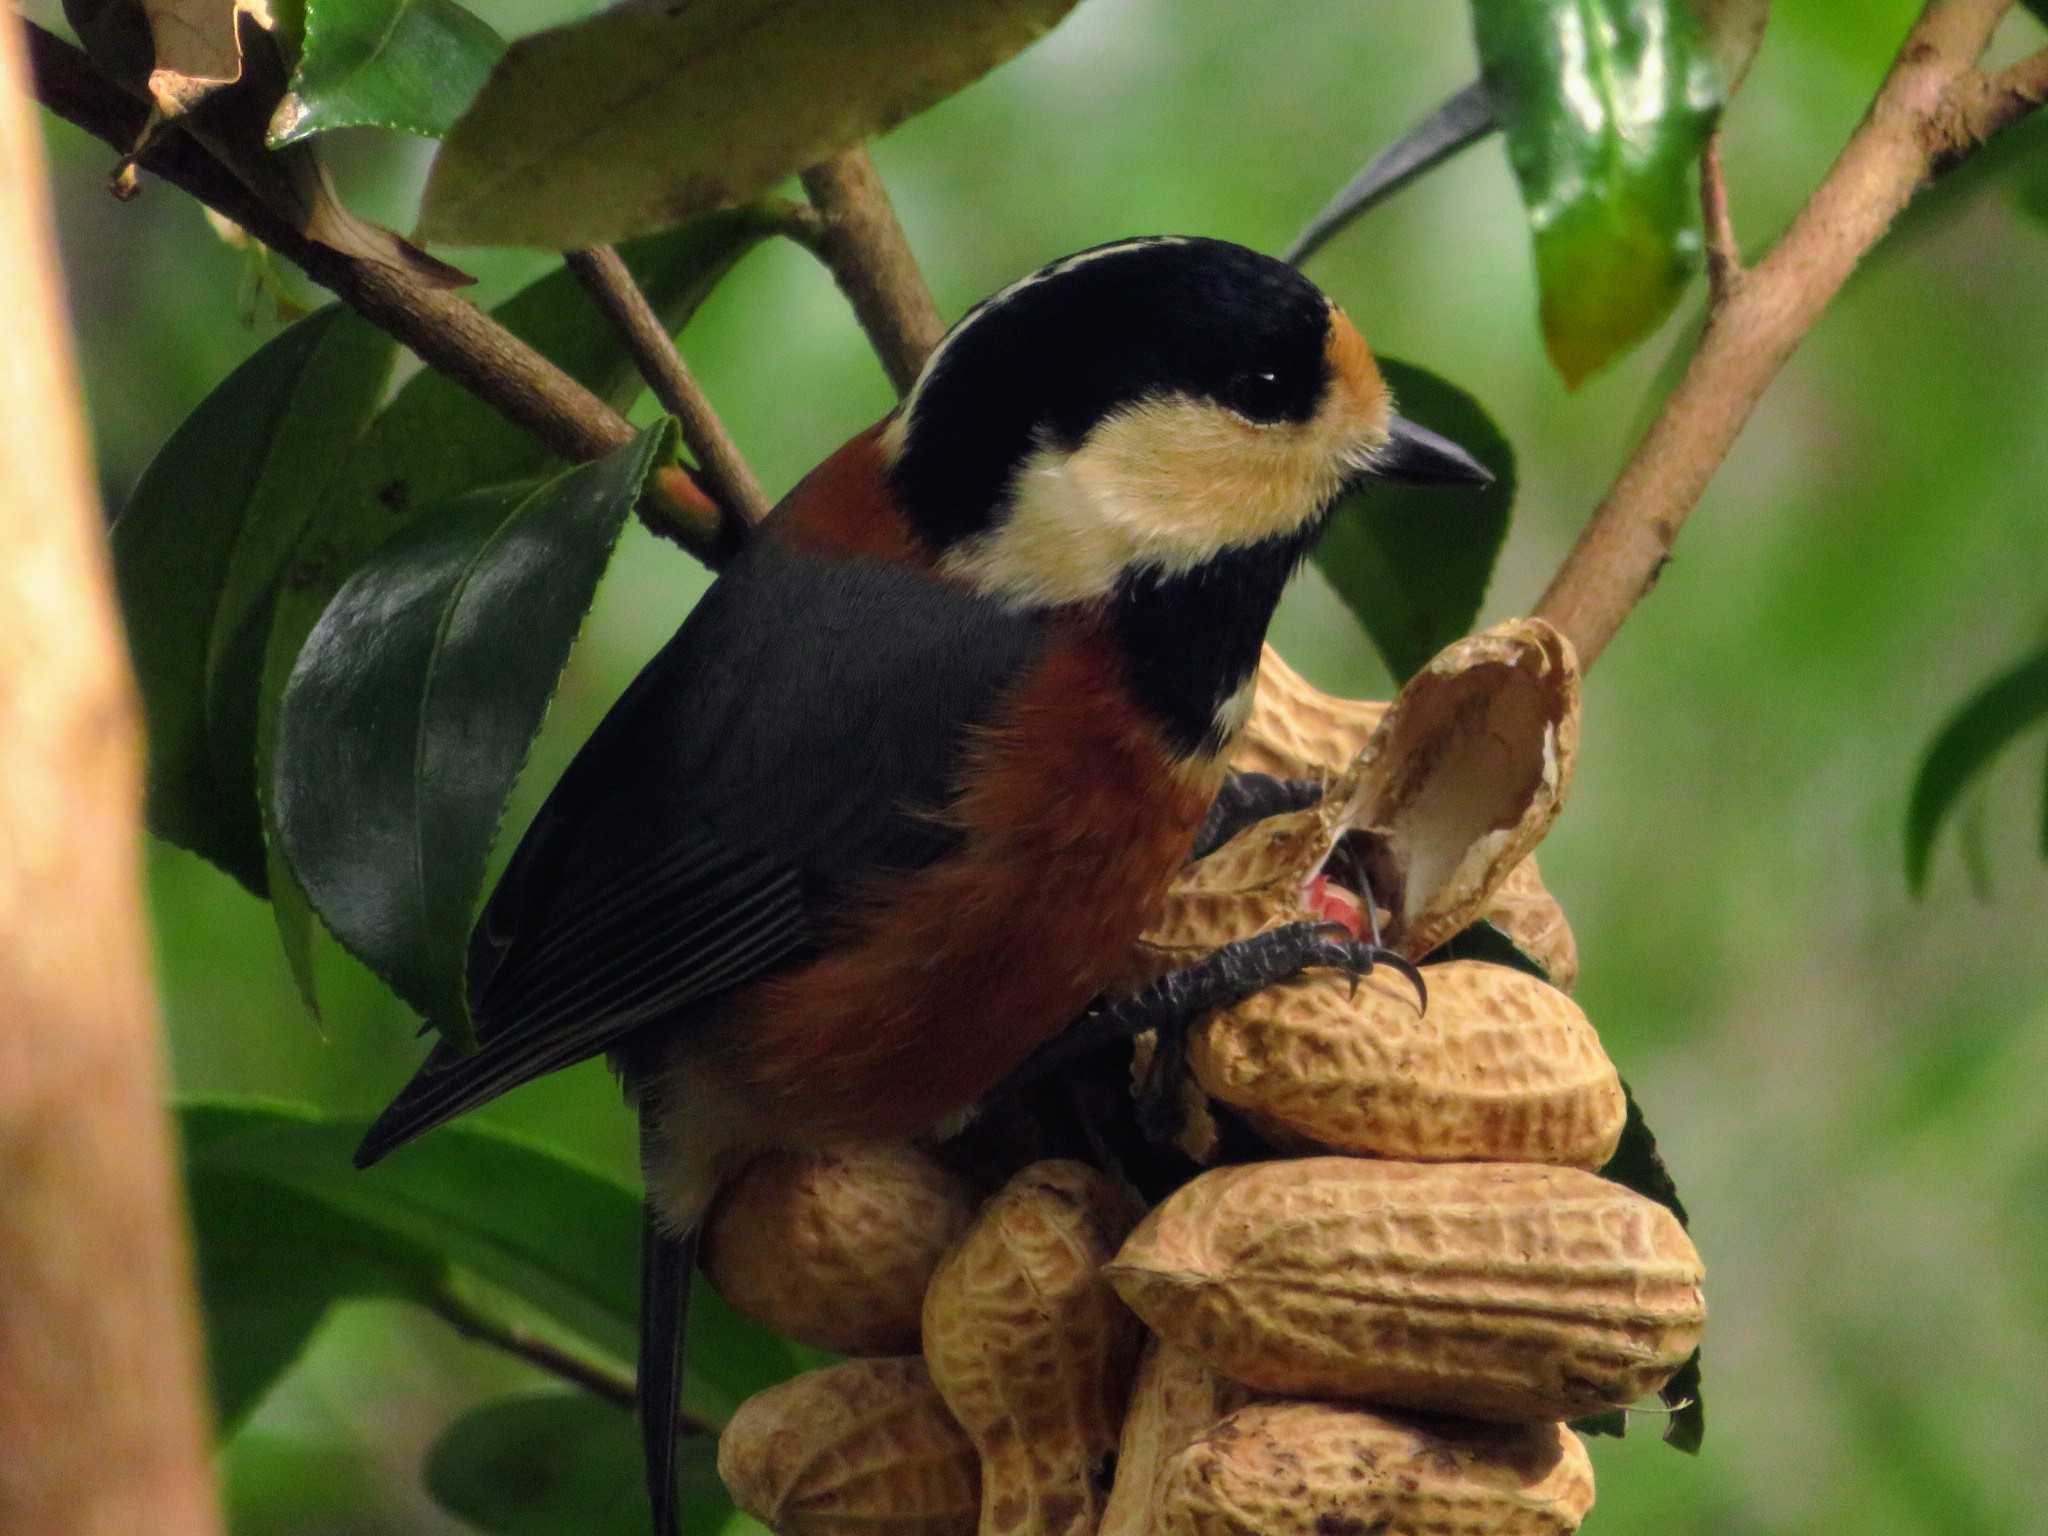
(1380, 1306)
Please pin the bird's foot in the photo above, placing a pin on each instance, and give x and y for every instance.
(1246, 798)
(1220, 979)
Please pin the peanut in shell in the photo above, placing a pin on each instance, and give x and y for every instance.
(1501, 1291)
(1502, 1068)
(1523, 908)
(861, 1449)
(1297, 731)
(835, 1247)
(1319, 1469)
(1174, 1399)
(1031, 1349)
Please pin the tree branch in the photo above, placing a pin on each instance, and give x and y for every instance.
(102, 1412)
(449, 334)
(724, 473)
(1724, 256)
(1933, 109)
(600, 1380)
(870, 259)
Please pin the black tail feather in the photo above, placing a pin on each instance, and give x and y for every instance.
(666, 1264)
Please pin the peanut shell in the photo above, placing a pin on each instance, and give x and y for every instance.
(1506, 1291)
(1174, 1399)
(1502, 1068)
(1031, 1348)
(1464, 776)
(1295, 730)
(1317, 1469)
(835, 1247)
(1523, 908)
(861, 1449)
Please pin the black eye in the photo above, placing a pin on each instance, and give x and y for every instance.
(1258, 394)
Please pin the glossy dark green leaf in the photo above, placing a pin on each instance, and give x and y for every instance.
(200, 550)
(1484, 942)
(624, 122)
(1413, 562)
(544, 1463)
(1464, 118)
(435, 441)
(408, 65)
(1607, 105)
(286, 1226)
(410, 711)
(1638, 1165)
(1987, 723)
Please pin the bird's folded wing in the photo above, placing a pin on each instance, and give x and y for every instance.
(792, 745)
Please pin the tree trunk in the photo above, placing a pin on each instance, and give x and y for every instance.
(102, 1428)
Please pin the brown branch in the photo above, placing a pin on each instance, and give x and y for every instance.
(609, 282)
(594, 1377)
(102, 1414)
(870, 259)
(1933, 109)
(449, 334)
(1724, 255)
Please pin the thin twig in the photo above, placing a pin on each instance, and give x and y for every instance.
(870, 259)
(449, 334)
(599, 1380)
(1724, 256)
(1933, 109)
(609, 281)
(1988, 103)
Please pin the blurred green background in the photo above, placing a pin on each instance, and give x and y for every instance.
(1845, 1081)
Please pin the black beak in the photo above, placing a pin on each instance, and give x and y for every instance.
(1414, 455)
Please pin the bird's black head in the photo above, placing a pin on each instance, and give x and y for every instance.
(1158, 427)
(1142, 406)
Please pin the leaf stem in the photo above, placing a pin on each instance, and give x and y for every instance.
(720, 468)
(1724, 256)
(1933, 109)
(864, 247)
(448, 333)
(598, 1379)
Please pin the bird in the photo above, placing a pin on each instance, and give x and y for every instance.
(883, 819)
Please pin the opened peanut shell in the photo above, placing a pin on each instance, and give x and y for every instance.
(1506, 1291)
(1463, 777)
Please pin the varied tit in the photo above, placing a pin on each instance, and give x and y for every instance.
(889, 811)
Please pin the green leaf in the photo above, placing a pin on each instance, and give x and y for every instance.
(435, 441)
(409, 65)
(200, 551)
(1413, 562)
(544, 1463)
(646, 113)
(410, 711)
(1464, 118)
(286, 1226)
(1988, 721)
(1607, 105)
(1484, 942)
(1638, 1165)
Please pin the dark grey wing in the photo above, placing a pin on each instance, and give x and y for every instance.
(794, 741)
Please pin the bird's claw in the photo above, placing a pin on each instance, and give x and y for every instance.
(1340, 951)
